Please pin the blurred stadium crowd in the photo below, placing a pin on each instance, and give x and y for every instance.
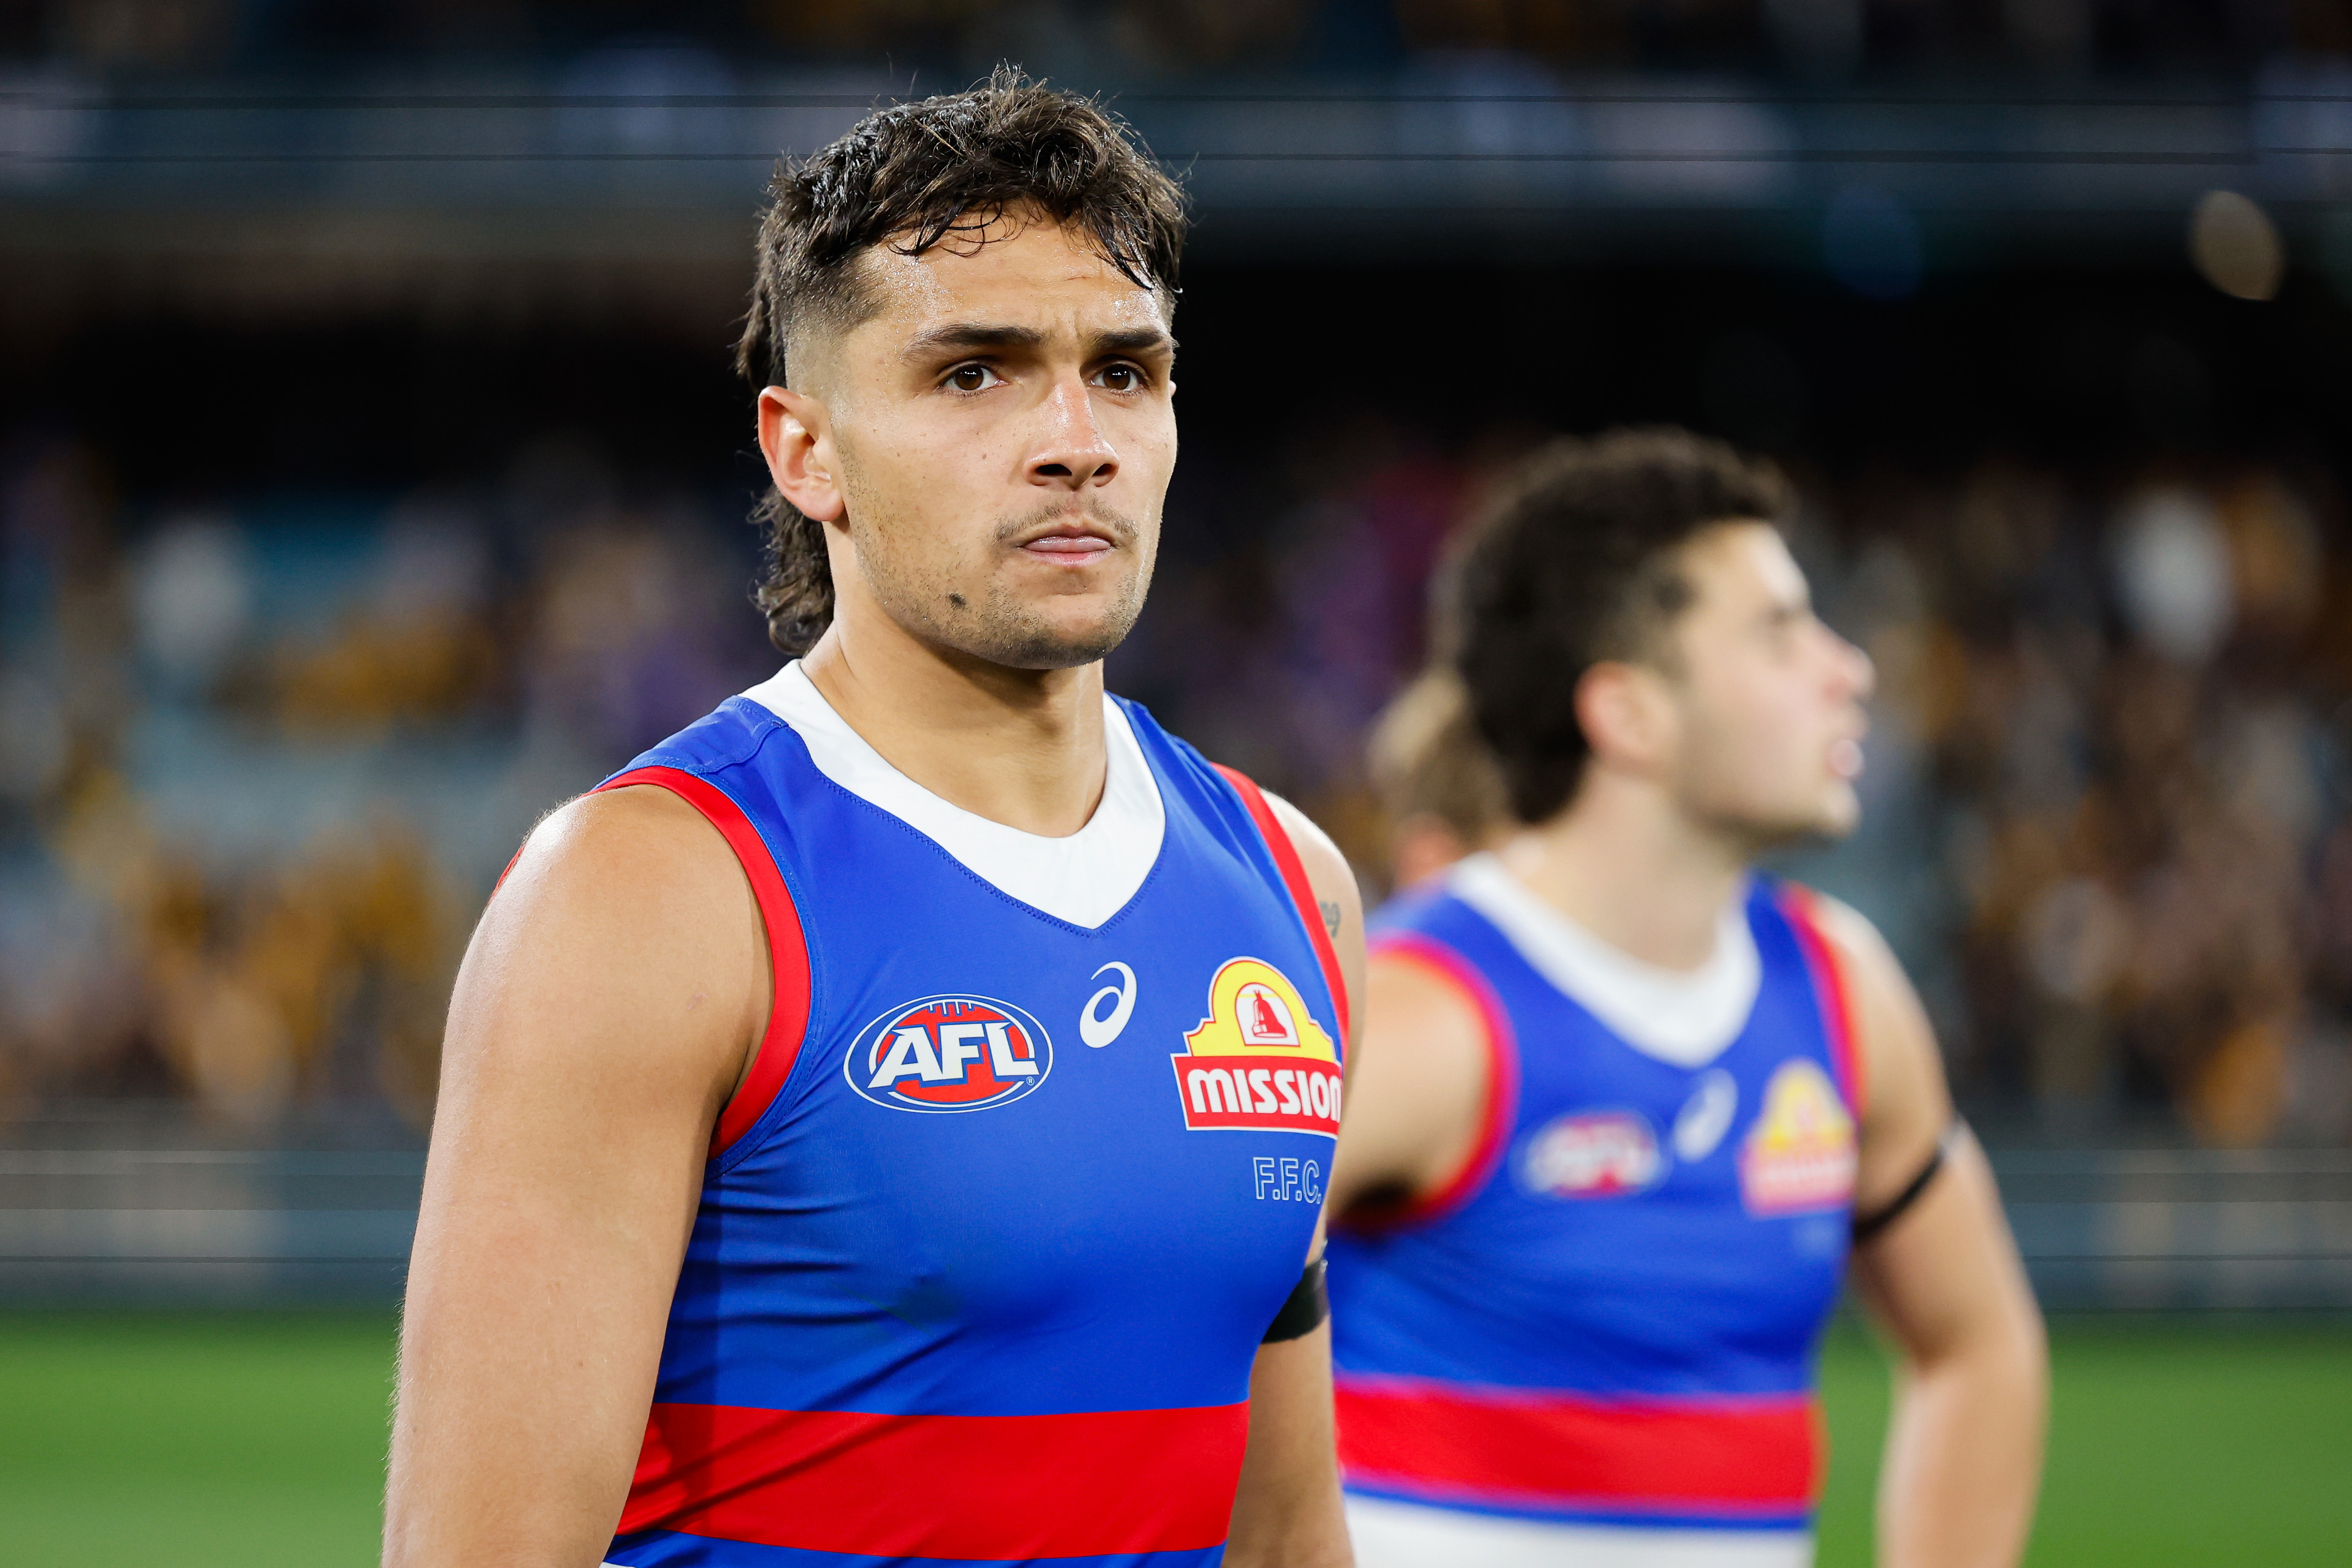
(265, 760)
(263, 766)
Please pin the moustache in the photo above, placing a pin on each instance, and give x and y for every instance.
(1121, 532)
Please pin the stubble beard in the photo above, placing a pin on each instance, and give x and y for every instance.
(977, 613)
(1759, 830)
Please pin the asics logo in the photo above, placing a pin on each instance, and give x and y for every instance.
(1098, 1027)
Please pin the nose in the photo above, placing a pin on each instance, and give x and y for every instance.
(1856, 668)
(1072, 452)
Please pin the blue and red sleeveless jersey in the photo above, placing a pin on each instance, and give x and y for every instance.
(1611, 1316)
(990, 1235)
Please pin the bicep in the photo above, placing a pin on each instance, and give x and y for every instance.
(1908, 1105)
(1415, 1104)
(599, 1021)
(1947, 1274)
(1340, 906)
(1945, 1271)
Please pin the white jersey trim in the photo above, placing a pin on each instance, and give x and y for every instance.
(1687, 1017)
(1389, 1535)
(1084, 879)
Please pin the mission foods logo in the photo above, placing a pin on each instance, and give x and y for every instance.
(1800, 1153)
(949, 1053)
(1258, 1061)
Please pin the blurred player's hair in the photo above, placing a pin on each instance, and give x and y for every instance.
(1433, 776)
(1575, 562)
(912, 176)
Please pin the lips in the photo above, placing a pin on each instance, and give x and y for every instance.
(1073, 544)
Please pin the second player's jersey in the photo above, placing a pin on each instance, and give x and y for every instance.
(1608, 1322)
(1027, 1162)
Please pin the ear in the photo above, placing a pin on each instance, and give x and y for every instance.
(796, 438)
(1626, 713)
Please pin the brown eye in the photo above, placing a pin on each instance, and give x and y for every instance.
(1121, 378)
(969, 378)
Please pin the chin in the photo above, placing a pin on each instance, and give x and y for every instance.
(1022, 630)
(1838, 818)
(1825, 821)
(1043, 644)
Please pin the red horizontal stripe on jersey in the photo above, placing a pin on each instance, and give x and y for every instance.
(986, 1487)
(1673, 1455)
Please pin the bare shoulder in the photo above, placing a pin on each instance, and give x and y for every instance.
(638, 859)
(1421, 1009)
(1888, 1013)
(639, 839)
(1417, 1100)
(1338, 902)
(1326, 867)
(625, 917)
(1907, 1104)
(1861, 949)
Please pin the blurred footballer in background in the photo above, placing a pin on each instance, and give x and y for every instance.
(1628, 1111)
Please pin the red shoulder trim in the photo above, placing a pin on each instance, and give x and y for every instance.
(1502, 1105)
(1302, 890)
(788, 1013)
(1802, 905)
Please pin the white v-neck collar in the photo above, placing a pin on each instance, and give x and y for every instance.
(1687, 1017)
(1084, 879)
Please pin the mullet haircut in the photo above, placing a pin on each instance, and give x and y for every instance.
(1577, 563)
(913, 176)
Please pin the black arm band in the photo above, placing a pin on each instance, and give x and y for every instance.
(1301, 1315)
(1867, 1226)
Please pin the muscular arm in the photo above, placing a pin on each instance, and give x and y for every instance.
(1286, 1511)
(607, 1007)
(1963, 1459)
(1418, 1092)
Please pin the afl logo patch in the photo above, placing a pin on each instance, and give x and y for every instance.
(1601, 1154)
(949, 1053)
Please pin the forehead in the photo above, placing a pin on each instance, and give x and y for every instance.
(1738, 565)
(1018, 271)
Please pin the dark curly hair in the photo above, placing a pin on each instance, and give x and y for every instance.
(1576, 561)
(910, 176)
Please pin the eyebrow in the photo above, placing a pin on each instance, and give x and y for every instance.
(1134, 340)
(964, 336)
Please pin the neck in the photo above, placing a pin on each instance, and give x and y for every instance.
(1626, 864)
(1022, 747)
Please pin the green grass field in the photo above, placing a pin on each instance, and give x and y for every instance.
(257, 1440)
